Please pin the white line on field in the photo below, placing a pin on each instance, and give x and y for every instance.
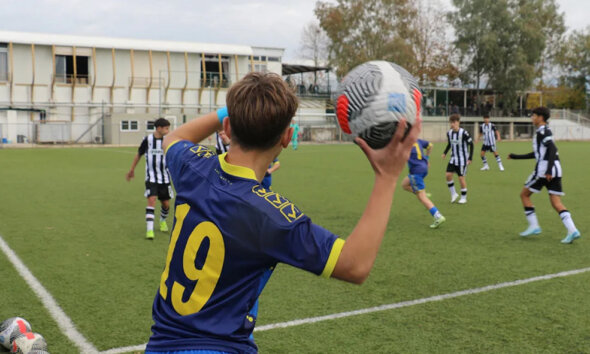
(63, 321)
(390, 306)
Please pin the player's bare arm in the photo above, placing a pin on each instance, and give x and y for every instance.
(360, 250)
(131, 172)
(195, 131)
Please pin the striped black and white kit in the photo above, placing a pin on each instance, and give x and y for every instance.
(220, 147)
(488, 131)
(155, 161)
(459, 141)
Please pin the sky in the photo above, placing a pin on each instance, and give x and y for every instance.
(265, 23)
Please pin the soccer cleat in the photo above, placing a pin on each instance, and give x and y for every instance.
(531, 231)
(454, 197)
(163, 226)
(150, 235)
(571, 237)
(501, 168)
(437, 222)
(485, 168)
(463, 201)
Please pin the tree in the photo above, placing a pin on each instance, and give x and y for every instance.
(315, 45)
(503, 41)
(575, 61)
(432, 47)
(363, 30)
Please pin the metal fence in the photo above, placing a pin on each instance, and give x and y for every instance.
(314, 128)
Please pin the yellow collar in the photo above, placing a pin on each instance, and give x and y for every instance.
(234, 170)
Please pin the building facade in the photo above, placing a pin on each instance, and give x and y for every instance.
(61, 88)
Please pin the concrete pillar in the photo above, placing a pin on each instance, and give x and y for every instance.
(511, 131)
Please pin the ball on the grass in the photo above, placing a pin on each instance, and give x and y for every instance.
(27, 343)
(11, 328)
(373, 97)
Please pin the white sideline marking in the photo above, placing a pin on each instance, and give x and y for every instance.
(388, 307)
(63, 321)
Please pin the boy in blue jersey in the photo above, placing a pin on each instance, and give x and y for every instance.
(230, 232)
(267, 180)
(418, 169)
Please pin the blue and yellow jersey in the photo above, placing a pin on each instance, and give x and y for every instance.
(229, 233)
(418, 162)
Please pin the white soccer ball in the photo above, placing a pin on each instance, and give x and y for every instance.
(28, 343)
(12, 328)
(373, 97)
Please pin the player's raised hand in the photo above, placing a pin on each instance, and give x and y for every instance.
(391, 159)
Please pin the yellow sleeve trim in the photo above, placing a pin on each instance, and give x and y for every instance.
(169, 146)
(333, 258)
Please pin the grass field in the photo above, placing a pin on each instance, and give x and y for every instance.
(79, 227)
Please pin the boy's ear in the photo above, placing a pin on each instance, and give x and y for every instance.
(226, 127)
(286, 137)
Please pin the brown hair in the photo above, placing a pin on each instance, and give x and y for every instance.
(454, 118)
(260, 107)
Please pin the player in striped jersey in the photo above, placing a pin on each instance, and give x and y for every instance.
(459, 141)
(221, 142)
(490, 136)
(157, 180)
(547, 174)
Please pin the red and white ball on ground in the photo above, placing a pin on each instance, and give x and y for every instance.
(12, 328)
(28, 343)
(373, 97)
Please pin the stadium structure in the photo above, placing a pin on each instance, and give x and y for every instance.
(96, 90)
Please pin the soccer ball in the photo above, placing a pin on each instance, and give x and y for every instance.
(12, 328)
(27, 343)
(373, 97)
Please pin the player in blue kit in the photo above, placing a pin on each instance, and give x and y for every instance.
(418, 169)
(230, 232)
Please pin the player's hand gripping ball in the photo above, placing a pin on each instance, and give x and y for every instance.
(372, 99)
(12, 328)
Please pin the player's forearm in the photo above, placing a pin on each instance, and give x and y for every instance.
(360, 250)
(447, 149)
(471, 151)
(134, 163)
(195, 131)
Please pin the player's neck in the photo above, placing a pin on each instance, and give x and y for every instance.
(158, 135)
(255, 160)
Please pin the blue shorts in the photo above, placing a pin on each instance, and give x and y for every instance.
(417, 182)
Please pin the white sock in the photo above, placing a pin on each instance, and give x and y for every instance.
(149, 218)
(567, 220)
(463, 193)
(531, 217)
(451, 186)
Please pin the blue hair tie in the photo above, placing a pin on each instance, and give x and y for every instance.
(221, 114)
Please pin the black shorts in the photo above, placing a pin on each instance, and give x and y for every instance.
(163, 191)
(460, 170)
(491, 148)
(535, 184)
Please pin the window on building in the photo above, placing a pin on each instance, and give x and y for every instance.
(150, 125)
(210, 77)
(3, 62)
(129, 125)
(260, 63)
(64, 69)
